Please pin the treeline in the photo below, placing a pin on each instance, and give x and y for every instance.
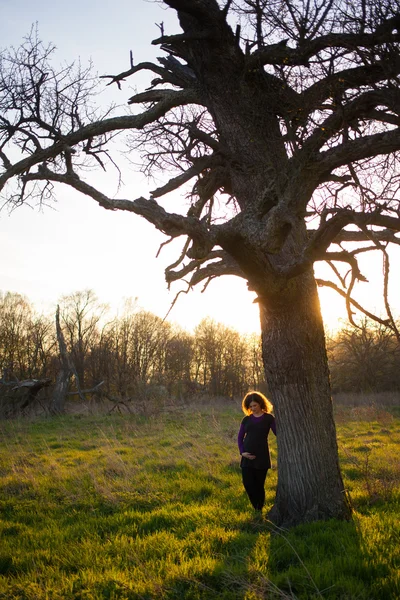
(138, 355)
(364, 359)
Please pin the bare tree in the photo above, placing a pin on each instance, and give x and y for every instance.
(221, 357)
(288, 127)
(364, 358)
(136, 344)
(235, 364)
(15, 317)
(149, 336)
(27, 340)
(81, 313)
(256, 376)
(178, 362)
(41, 345)
(209, 347)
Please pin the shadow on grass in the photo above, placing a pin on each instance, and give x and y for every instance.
(230, 577)
(330, 560)
(325, 560)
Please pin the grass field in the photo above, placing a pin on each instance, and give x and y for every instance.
(134, 507)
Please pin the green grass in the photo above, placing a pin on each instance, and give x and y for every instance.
(143, 507)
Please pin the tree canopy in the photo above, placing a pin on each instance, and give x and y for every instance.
(317, 83)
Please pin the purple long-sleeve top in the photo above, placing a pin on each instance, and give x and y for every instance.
(252, 436)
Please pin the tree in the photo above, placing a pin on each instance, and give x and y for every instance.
(81, 314)
(288, 127)
(209, 348)
(41, 344)
(178, 362)
(364, 358)
(136, 345)
(221, 358)
(15, 316)
(26, 339)
(235, 364)
(256, 374)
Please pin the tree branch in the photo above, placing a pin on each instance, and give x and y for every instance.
(201, 10)
(202, 163)
(97, 129)
(332, 231)
(162, 95)
(385, 235)
(169, 223)
(166, 75)
(171, 275)
(362, 107)
(178, 38)
(216, 269)
(343, 293)
(355, 77)
(280, 54)
(355, 150)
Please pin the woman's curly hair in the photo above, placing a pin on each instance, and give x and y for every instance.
(258, 397)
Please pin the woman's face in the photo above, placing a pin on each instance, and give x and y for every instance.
(255, 407)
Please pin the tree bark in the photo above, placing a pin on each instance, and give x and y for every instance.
(310, 485)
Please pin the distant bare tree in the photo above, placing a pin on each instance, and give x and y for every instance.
(364, 358)
(149, 339)
(137, 345)
(178, 362)
(41, 344)
(288, 126)
(81, 314)
(256, 377)
(27, 345)
(221, 359)
(27, 340)
(235, 364)
(208, 352)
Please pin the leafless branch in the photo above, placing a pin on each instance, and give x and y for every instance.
(352, 301)
(170, 223)
(93, 390)
(94, 130)
(175, 300)
(199, 166)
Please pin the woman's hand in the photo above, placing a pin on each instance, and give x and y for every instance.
(248, 455)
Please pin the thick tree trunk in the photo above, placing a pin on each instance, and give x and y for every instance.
(310, 485)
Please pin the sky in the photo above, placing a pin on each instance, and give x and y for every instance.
(74, 244)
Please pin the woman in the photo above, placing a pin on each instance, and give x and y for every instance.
(253, 445)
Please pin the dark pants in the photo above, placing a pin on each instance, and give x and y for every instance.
(253, 481)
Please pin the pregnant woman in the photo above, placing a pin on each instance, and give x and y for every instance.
(253, 445)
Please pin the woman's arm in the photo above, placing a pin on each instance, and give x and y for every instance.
(240, 440)
(273, 424)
